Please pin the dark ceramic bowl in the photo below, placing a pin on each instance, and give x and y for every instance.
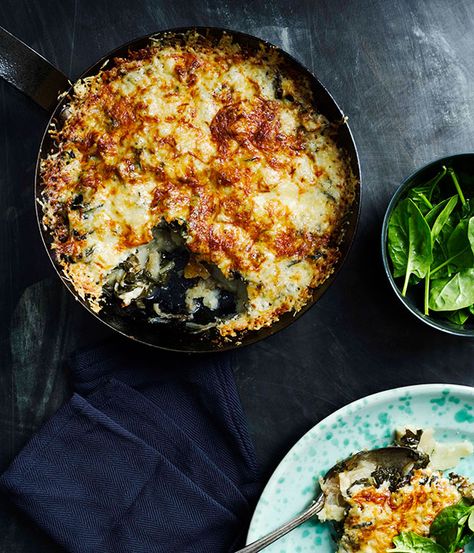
(463, 163)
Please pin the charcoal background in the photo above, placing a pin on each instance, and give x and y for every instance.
(402, 70)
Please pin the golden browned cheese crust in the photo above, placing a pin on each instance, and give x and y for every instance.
(376, 515)
(224, 143)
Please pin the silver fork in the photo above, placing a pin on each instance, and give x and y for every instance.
(260, 544)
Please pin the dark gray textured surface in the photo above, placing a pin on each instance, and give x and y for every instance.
(403, 71)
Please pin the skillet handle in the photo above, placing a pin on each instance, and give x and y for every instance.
(28, 71)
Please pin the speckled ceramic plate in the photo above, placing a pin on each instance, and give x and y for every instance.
(364, 424)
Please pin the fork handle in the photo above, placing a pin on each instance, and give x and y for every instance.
(260, 544)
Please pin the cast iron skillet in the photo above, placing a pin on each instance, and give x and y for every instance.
(33, 75)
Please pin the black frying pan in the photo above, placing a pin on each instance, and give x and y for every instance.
(33, 75)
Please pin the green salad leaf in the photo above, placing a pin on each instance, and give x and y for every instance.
(441, 266)
(458, 317)
(470, 233)
(422, 195)
(450, 527)
(431, 239)
(456, 292)
(437, 209)
(409, 542)
(409, 242)
(443, 217)
(470, 521)
(460, 244)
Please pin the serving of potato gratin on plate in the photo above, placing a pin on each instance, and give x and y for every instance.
(423, 506)
(373, 507)
(196, 183)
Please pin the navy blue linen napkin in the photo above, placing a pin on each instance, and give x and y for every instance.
(151, 454)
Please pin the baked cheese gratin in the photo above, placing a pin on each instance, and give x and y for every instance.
(196, 182)
(373, 507)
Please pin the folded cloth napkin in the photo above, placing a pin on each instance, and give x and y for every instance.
(151, 454)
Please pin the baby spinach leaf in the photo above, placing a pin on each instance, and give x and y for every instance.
(421, 201)
(433, 213)
(470, 521)
(447, 527)
(422, 195)
(461, 243)
(409, 542)
(448, 277)
(440, 265)
(441, 255)
(449, 294)
(409, 242)
(458, 317)
(443, 217)
(440, 248)
(448, 228)
(470, 233)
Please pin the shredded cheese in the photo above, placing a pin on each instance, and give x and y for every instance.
(224, 141)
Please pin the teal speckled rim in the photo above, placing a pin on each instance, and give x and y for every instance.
(410, 181)
(363, 424)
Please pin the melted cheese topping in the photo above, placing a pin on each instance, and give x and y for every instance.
(222, 141)
(376, 515)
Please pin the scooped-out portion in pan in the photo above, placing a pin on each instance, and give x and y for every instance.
(163, 281)
(194, 182)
